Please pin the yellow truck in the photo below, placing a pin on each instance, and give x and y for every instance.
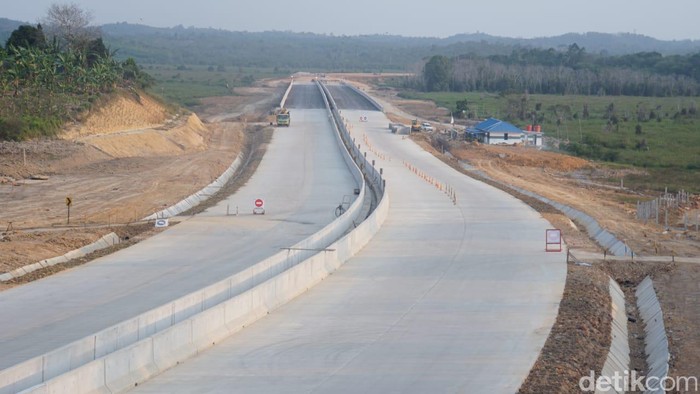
(415, 126)
(283, 117)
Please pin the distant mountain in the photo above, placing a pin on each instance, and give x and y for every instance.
(7, 26)
(612, 44)
(289, 50)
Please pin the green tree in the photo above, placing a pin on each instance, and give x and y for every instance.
(462, 108)
(27, 36)
(96, 50)
(437, 74)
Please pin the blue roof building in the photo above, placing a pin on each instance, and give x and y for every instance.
(495, 131)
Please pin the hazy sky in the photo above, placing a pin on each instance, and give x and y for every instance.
(667, 19)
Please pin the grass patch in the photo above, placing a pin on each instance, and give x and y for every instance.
(658, 134)
(185, 85)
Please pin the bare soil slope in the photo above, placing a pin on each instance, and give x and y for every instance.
(126, 160)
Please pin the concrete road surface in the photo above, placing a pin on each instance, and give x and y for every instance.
(300, 198)
(446, 298)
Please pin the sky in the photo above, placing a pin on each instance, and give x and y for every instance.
(666, 20)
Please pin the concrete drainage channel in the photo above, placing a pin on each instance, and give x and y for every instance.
(656, 349)
(656, 341)
(618, 360)
(123, 355)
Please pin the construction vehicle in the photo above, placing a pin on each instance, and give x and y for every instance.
(283, 117)
(415, 125)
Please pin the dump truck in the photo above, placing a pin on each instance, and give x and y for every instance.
(283, 117)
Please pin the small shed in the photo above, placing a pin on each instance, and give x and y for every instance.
(494, 131)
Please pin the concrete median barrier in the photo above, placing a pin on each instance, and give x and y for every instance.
(136, 363)
(286, 94)
(180, 329)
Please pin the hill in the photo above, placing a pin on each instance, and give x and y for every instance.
(611, 44)
(7, 26)
(205, 46)
(189, 45)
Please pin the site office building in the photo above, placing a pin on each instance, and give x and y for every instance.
(496, 132)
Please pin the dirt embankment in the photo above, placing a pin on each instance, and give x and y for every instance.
(126, 160)
(125, 111)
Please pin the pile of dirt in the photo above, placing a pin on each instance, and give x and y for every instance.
(187, 137)
(580, 338)
(124, 111)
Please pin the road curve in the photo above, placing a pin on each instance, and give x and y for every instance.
(448, 297)
(300, 199)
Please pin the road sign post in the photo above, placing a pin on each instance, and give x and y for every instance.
(553, 240)
(69, 202)
(259, 207)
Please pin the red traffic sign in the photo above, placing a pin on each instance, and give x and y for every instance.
(259, 203)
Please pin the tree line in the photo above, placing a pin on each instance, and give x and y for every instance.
(45, 82)
(573, 71)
